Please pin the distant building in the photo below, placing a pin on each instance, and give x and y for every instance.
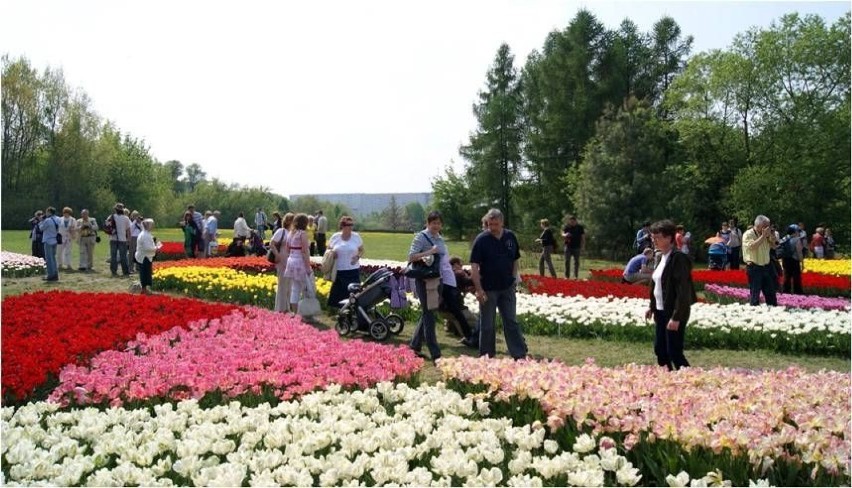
(363, 204)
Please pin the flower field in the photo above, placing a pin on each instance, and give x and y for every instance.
(106, 389)
(813, 283)
(836, 267)
(729, 294)
(44, 331)
(754, 418)
(16, 265)
(243, 352)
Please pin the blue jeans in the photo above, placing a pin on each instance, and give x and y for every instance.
(118, 252)
(762, 278)
(50, 261)
(505, 301)
(668, 344)
(425, 326)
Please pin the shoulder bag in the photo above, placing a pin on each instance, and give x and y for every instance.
(270, 256)
(426, 268)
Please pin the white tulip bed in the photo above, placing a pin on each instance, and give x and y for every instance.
(389, 435)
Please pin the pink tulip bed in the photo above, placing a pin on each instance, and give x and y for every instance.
(257, 353)
(788, 426)
(730, 294)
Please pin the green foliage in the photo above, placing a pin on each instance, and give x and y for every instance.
(622, 166)
(452, 196)
(494, 149)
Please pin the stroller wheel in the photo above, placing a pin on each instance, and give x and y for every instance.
(395, 323)
(343, 326)
(379, 330)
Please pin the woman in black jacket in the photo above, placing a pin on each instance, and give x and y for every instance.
(672, 295)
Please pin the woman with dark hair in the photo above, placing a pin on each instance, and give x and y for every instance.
(426, 246)
(348, 249)
(672, 295)
(297, 254)
(190, 231)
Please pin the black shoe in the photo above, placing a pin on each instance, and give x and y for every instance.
(81, 269)
(418, 353)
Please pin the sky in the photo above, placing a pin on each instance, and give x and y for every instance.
(325, 96)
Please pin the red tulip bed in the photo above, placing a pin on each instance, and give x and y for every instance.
(44, 331)
(813, 283)
(544, 285)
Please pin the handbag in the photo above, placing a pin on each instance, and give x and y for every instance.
(58, 235)
(426, 268)
(309, 305)
(270, 256)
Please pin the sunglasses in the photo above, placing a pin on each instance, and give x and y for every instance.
(347, 224)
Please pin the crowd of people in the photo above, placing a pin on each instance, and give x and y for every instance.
(663, 262)
(131, 244)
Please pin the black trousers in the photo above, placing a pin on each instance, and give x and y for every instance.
(668, 344)
(146, 273)
(792, 276)
(320, 237)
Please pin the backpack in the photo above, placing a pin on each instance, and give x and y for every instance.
(787, 249)
(109, 226)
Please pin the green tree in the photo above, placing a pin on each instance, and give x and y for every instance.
(414, 215)
(451, 194)
(392, 216)
(494, 149)
(615, 186)
(194, 175)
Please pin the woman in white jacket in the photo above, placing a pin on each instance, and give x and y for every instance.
(146, 249)
(68, 229)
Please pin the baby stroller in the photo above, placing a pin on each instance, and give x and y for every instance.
(717, 256)
(358, 312)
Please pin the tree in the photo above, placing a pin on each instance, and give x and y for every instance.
(392, 216)
(194, 176)
(452, 195)
(615, 185)
(414, 215)
(494, 150)
(669, 52)
(561, 103)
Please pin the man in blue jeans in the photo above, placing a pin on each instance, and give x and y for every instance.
(494, 271)
(49, 227)
(758, 241)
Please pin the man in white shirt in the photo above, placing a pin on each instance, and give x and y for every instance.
(241, 228)
(119, 241)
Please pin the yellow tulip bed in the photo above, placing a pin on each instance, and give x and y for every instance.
(835, 267)
(225, 285)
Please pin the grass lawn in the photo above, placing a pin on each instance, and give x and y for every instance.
(395, 247)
